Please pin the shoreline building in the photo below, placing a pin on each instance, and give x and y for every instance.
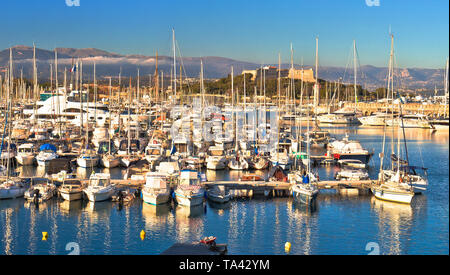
(271, 72)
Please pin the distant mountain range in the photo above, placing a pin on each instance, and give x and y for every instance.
(110, 64)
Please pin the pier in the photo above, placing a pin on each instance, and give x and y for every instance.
(281, 188)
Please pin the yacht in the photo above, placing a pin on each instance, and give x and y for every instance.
(305, 191)
(99, 188)
(11, 189)
(88, 159)
(218, 194)
(349, 149)
(394, 189)
(411, 121)
(41, 192)
(377, 119)
(238, 163)
(26, 154)
(189, 192)
(47, 153)
(280, 157)
(216, 160)
(336, 118)
(8, 155)
(156, 190)
(71, 191)
(70, 108)
(154, 154)
(352, 174)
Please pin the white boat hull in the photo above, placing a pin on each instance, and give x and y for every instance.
(401, 197)
(189, 200)
(87, 162)
(99, 196)
(155, 199)
(12, 193)
(71, 196)
(109, 162)
(27, 160)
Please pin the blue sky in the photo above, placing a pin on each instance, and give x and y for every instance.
(247, 30)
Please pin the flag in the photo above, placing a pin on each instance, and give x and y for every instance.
(74, 69)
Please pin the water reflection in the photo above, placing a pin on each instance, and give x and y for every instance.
(303, 221)
(189, 222)
(395, 221)
(155, 216)
(70, 208)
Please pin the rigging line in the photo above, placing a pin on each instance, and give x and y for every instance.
(182, 65)
(348, 63)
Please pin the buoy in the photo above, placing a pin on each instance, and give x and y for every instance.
(287, 247)
(44, 236)
(142, 235)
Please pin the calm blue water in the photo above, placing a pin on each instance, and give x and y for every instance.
(338, 224)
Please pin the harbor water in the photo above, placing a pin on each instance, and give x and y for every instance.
(336, 224)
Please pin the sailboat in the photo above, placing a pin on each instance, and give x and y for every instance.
(305, 191)
(9, 188)
(395, 185)
(132, 148)
(88, 157)
(109, 160)
(236, 162)
(317, 137)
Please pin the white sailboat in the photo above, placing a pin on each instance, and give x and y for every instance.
(109, 160)
(394, 188)
(10, 188)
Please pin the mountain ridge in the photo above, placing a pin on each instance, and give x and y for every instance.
(110, 64)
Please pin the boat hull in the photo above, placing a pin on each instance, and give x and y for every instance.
(25, 160)
(190, 200)
(99, 196)
(12, 193)
(393, 196)
(110, 162)
(87, 162)
(71, 196)
(156, 199)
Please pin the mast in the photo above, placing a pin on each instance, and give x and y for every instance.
(95, 94)
(9, 99)
(156, 78)
(355, 72)
(138, 89)
(35, 93)
(384, 127)
(129, 118)
(279, 80)
(109, 131)
(446, 89)
(174, 67)
(316, 87)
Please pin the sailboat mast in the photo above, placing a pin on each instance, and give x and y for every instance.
(316, 87)
(355, 72)
(446, 89)
(156, 78)
(129, 119)
(388, 89)
(110, 117)
(174, 67)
